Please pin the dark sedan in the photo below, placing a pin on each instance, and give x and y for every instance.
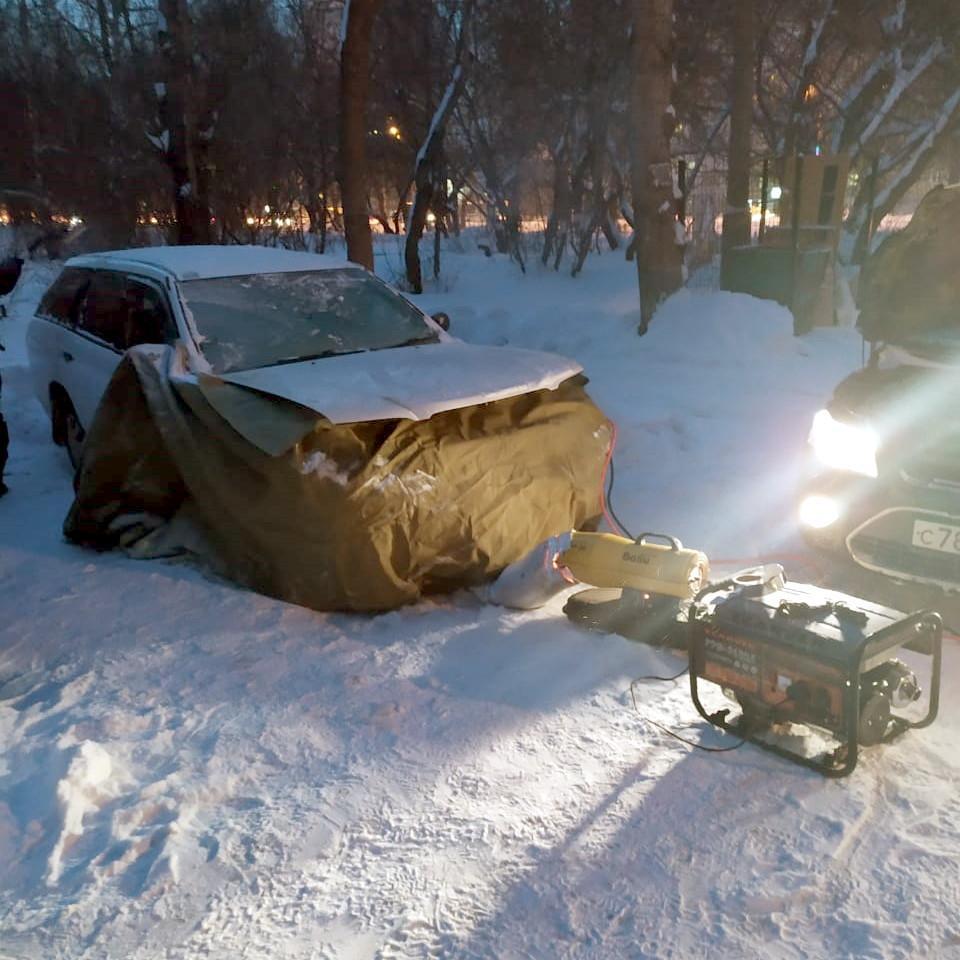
(887, 448)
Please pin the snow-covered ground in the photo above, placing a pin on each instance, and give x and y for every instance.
(191, 770)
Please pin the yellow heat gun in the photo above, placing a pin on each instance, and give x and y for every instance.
(653, 563)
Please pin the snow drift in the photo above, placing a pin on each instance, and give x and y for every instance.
(450, 779)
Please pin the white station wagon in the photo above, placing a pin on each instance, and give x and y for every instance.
(317, 331)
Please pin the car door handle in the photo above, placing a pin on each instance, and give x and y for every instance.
(68, 356)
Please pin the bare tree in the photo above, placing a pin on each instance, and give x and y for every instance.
(659, 255)
(736, 218)
(804, 79)
(180, 137)
(234, 103)
(358, 20)
(313, 121)
(427, 168)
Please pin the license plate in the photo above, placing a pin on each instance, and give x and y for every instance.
(936, 536)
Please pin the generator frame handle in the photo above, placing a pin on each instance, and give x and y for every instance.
(935, 624)
(850, 749)
(675, 544)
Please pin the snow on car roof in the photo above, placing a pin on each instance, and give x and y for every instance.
(205, 262)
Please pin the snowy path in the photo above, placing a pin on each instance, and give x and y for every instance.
(190, 770)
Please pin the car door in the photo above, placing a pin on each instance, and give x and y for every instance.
(94, 347)
(48, 331)
(149, 318)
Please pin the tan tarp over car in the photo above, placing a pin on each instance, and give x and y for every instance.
(911, 284)
(355, 517)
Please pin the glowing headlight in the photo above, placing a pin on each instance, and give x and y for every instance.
(844, 446)
(819, 512)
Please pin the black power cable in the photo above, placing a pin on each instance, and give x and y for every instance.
(652, 678)
(623, 529)
(667, 730)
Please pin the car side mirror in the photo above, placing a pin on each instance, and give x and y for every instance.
(441, 319)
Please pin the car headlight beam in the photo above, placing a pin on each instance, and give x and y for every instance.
(819, 512)
(844, 446)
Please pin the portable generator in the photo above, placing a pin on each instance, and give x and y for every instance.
(795, 653)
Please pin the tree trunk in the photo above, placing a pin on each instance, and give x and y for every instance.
(322, 248)
(560, 213)
(609, 223)
(659, 256)
(354, 85)
(736, 217)
(323, 196)
(180, 116)
(105, 36)
(436, 250)
(428, 164)
(418, 219)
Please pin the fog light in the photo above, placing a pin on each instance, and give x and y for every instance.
(819, 512)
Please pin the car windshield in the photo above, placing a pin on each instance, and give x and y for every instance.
(271, 318)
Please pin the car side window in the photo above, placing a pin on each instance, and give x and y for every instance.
(148, 318)
(61, 301)
(103, 313)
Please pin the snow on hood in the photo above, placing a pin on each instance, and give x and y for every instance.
(412, 382)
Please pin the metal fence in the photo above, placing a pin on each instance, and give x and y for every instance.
(705, 201)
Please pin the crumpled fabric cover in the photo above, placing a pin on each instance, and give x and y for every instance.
(911, 284)
(364, 516)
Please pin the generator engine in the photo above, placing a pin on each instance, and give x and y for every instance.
(796, 653)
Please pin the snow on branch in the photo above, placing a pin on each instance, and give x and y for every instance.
(894, 23)
(160, 141)
(810, 56)
(813, 47)
(344, 22)
(866, 78)
(893, 161)
(853, 94)
(947, 115)
(903, 80)
(440, 117)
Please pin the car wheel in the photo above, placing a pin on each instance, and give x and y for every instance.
(67, 429)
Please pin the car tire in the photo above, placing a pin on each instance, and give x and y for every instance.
(67, 430)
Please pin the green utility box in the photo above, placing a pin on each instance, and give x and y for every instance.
(794, 262)
(792, 278)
